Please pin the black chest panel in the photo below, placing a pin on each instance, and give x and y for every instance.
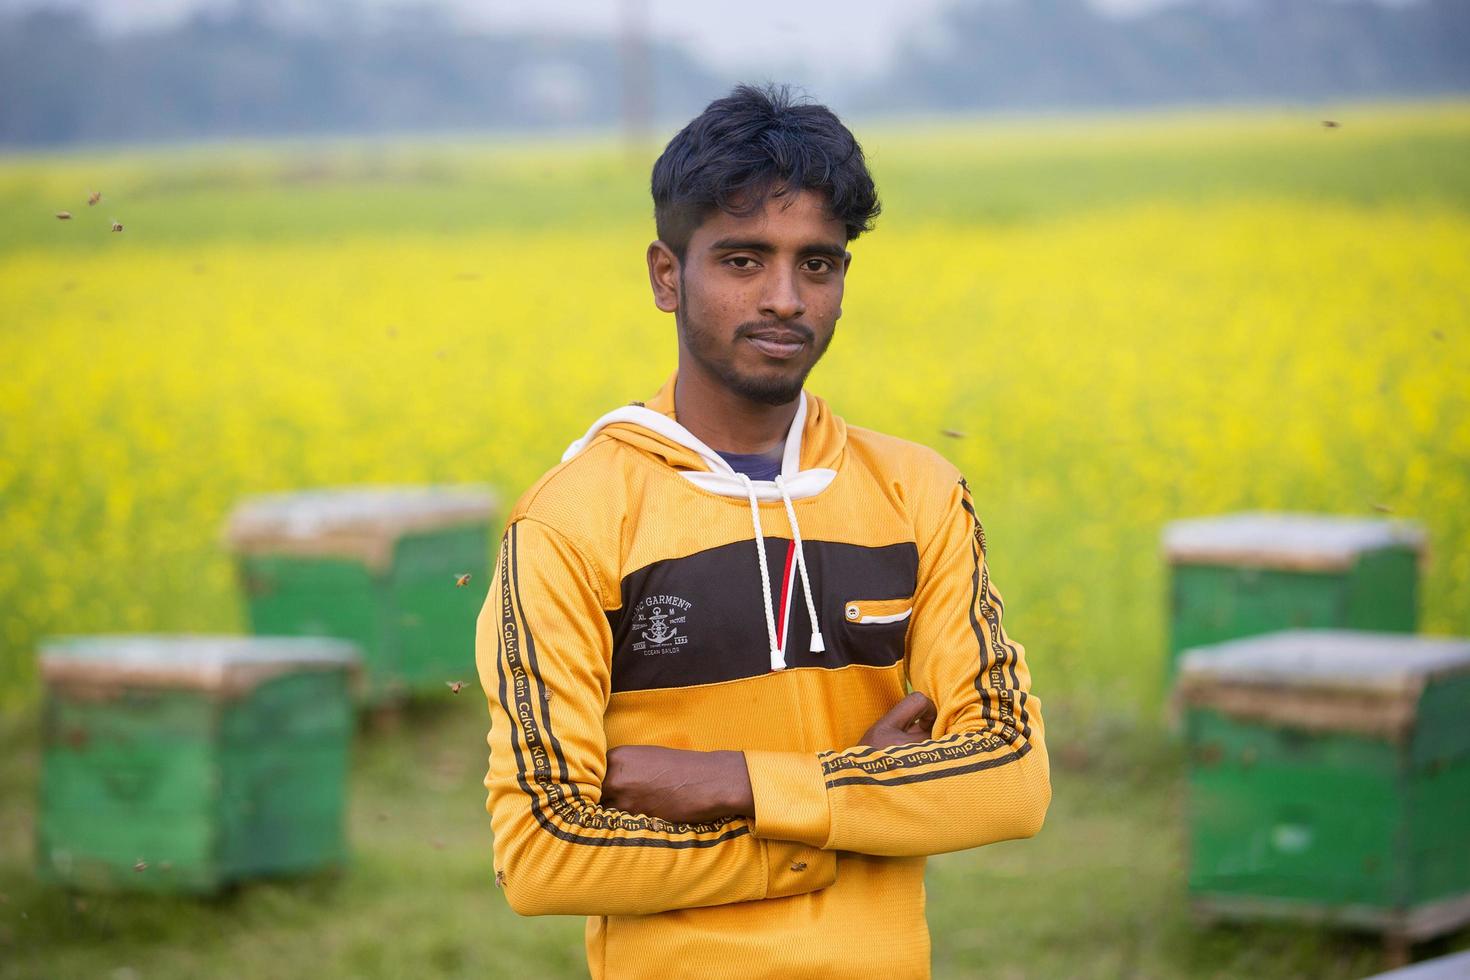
(701, 619)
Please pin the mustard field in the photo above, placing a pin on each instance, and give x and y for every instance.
(1107, 323)
(1193, 326)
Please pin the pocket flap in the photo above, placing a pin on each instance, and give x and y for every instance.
(877, 610)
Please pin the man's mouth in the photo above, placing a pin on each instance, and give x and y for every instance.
(782, 345)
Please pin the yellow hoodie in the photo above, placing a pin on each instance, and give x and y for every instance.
(645, 593)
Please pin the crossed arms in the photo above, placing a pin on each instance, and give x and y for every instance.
(581, 829)
(686, 786)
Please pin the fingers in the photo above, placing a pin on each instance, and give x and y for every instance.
(905, 711)
(927, 715)
(915, 714)
(913, 711)
(910, 720)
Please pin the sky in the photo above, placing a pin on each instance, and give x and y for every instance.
(729, 35)
(751, 37)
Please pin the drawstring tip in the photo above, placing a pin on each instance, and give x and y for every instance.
(817, 645)
(778, 662)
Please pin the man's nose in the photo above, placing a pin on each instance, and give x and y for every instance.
(782, 299)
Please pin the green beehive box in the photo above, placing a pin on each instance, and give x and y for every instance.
(1240, 575)
(1329, 779)
(375, 565)
(184, 763)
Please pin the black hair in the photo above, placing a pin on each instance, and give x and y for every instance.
(759, 141)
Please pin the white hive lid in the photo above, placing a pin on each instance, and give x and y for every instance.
(362, 522)
(1323, 680)
(214, 663)
(1337, 659)
(1285, 540)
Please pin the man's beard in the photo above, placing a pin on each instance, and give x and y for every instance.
(705, 349)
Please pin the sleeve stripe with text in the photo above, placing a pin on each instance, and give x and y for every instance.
(522, 698)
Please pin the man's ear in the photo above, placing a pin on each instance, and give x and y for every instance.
(846, 262)
(663, 276)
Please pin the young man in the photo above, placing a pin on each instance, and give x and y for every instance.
(703, 622)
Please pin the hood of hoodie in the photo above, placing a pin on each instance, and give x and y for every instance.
(814, 445)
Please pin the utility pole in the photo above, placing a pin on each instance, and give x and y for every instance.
(637, 75)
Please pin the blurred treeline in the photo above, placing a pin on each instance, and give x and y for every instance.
(1033, 54)
(246, 71)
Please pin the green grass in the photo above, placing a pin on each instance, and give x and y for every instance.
(1099, 893)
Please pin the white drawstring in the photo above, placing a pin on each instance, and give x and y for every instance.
(778, 662)
(720, 478)
(817, 646)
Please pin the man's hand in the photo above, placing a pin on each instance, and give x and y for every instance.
(909, 721)
(677, 784)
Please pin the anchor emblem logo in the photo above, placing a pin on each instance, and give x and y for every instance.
(660, 632)
(656, 622)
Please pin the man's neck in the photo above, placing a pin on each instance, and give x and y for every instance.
(725, 421)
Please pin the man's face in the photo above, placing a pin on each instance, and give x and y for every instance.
(758, 298)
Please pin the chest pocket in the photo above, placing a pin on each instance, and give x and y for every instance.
(874, 631)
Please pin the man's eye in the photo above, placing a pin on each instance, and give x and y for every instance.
(818, 265)
(750, 263)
